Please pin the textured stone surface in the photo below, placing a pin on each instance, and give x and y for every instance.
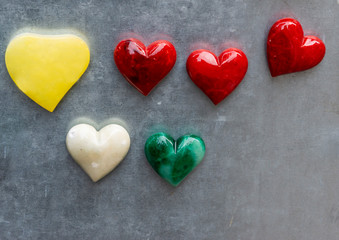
(271, 165)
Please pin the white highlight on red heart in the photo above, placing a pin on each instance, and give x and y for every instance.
(98, 153)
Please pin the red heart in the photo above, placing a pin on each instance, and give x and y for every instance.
(144, 67)
(217, 77)
(288, 50)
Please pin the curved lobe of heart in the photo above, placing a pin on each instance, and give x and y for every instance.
(288, 50)
(144, 67)
(217, 77)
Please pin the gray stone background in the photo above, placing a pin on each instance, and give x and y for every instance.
(271, 167)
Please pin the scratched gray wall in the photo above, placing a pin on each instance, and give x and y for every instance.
(271, 168)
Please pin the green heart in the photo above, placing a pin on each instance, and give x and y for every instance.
(174, 160)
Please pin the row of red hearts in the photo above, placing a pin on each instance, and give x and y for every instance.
(288, 50)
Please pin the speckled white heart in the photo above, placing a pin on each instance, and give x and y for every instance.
(98, 153)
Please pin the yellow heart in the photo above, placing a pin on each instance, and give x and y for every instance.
(45, 67)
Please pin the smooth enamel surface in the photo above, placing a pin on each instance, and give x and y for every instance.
(144, 67)
(98, 153)
(217, 77)
(174, 160)
(45, 67)
(288, 50)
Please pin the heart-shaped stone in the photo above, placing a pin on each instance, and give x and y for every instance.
(217, 77)
(288, 50)
(45, 67)
(144, 67)
(174, 160)
(98, 153)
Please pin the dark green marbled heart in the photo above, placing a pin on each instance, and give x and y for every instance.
(174, 160)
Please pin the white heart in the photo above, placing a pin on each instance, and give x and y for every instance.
(98, 153)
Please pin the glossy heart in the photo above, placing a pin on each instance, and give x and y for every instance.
(288, 50)
(144, 67)
(45, 67)
(174, 160)
(216, 76)
(98, 153)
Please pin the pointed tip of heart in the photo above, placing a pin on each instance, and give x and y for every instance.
(174, 184)
(95, 179)
(217, 101)
(49, 109)
(145, 93)
(274, 74)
